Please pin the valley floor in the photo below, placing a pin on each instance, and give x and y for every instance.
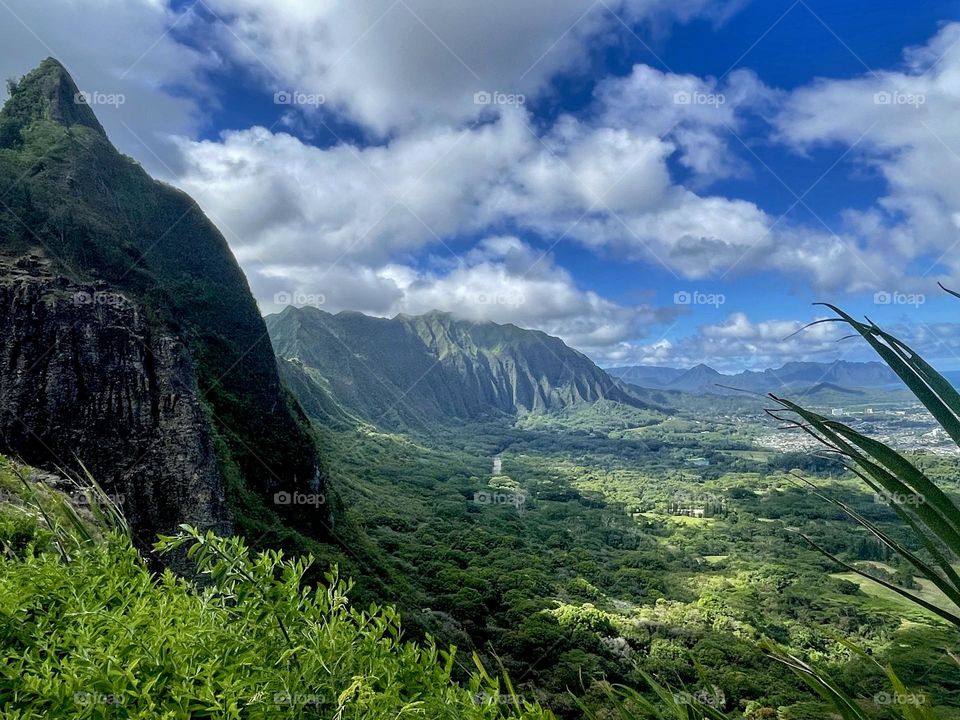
(611, 544)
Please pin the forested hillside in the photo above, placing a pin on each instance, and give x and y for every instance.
(414, 370)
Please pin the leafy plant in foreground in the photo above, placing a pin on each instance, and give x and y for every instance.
(931, 515)
(99, 636)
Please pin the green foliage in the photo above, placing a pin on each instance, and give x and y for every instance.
(352, 365)
(34, 516)
(931, 514)
(100, 637)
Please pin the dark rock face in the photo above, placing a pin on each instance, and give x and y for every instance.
(172, 393)
(84, 379)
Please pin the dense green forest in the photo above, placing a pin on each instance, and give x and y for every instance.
(583, 565)
(580, 567)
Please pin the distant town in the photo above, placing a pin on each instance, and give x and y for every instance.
(906, 426)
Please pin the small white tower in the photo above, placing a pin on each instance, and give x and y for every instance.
(497, 465)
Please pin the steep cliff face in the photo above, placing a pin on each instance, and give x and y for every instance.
(415, 369)
(188, 327)
(84, 378)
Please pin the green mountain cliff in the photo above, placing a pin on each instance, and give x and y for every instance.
(417, 369)
(130, 340)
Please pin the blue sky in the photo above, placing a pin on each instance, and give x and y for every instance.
(655, 182)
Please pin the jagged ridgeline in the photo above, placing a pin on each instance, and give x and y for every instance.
(130, 339)
(417, 370)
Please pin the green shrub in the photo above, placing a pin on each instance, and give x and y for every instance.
(101, 636)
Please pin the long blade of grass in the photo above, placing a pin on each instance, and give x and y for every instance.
(952, 593)
(820, 684)
(943, 564)
(945, 614)
(934, 501)
(947, 418)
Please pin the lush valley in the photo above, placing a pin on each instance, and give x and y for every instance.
(664, 545)
(577, 535)
(593, 542)
(586, 560)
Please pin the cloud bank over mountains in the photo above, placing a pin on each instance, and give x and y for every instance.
(444, 183)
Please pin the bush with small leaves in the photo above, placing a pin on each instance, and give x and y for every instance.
(100, 636)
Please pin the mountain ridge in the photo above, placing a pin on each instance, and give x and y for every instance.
(702, 378)
(122, 271)
(416, 368)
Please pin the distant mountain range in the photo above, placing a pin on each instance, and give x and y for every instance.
(419, 369)
(839, 376)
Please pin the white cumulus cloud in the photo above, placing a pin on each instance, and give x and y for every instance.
(395, 64)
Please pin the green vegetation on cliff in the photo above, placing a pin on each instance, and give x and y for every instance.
(96, 219)
(412, 371)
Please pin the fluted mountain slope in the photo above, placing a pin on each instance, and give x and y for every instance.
(416, 369)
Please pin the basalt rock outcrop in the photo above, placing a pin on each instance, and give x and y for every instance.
(87, 380)
(130, 343)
